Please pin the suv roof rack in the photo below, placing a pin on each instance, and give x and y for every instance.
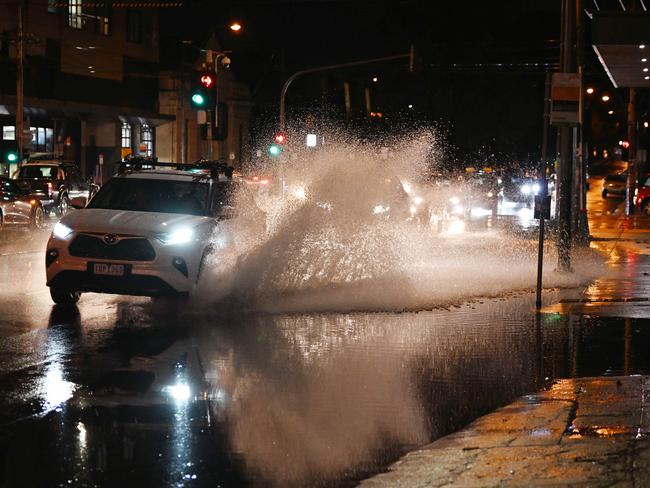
(213, 166)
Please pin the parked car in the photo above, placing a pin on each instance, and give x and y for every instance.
(614, 184)
(18, 207)
(147, 232)
(54, 183)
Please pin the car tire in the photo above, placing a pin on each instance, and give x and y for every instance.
(64, 205)
(64, 296)
(604, 193)
(38, 219)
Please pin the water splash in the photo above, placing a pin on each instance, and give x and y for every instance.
(342, 236)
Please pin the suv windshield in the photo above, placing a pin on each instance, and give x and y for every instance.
(29, 171)
(164, 196)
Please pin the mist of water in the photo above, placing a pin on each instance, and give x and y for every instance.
(328, 245)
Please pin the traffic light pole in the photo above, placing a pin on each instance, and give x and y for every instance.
(20, 104)
(331, 67)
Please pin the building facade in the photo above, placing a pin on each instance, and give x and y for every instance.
(91, 81)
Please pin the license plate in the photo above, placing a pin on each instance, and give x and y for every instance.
(108, 269)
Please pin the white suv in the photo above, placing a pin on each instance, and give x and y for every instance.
(144, 233)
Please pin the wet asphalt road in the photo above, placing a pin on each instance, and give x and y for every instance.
(134, 392)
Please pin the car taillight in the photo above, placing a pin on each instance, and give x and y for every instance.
(50, 187)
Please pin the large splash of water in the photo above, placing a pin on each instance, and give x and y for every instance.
(338, 235)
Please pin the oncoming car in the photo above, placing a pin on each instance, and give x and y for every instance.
(144, 233)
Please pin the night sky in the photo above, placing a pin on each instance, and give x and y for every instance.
(483, 62)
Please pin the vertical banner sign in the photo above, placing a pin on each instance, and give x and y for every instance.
(566, 90)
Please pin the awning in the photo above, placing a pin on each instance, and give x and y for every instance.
(621, 41)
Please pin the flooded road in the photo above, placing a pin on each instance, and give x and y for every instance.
(130, 390)
(140, 392)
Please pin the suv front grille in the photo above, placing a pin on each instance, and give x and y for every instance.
(125, 249)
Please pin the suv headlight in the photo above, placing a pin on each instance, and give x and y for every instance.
(182, 235)
(61, 231)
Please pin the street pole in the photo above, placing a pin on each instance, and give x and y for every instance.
(566, 143)
(631, 165)
(331, 67)
(544, 187)
(182, 102)
(20, 104)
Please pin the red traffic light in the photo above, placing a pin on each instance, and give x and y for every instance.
(280, 138)
(207, 80)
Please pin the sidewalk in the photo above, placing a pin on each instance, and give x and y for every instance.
(583, 431)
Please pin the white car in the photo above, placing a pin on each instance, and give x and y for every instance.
(144, 233)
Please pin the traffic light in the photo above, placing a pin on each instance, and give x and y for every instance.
(275, 150)
(280, 138)
(9, 152)
(204, 88)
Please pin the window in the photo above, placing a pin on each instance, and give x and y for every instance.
(75, 18)
(9, 132)
(133, 26)
(146, 137)
(102, 16)
(41, 139)
(126, 135)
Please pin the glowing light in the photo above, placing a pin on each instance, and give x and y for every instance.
(235, 27)
(375, 79)
(645, 124)
(410, 105)
(454, 200)
(645, 70)
(198, 99)
(456, 227)
(644, 60)
(611, 112)
(300, 193)
(312, 140)
(11, 157)
(605, 98)
(61, 231)
(418, 200)
(56, 389)
(379, 209)
(590, 90)
(180, 392)
(641, 46)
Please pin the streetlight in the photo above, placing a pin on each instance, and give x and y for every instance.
(605, 98)
(611, 112)
(375, 79)
(590, 90)
(235, 26)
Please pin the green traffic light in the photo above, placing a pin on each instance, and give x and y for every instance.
(198, 99)
(12, 157)
(275, 150)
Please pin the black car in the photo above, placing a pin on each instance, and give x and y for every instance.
(54, 183)
(18, 207)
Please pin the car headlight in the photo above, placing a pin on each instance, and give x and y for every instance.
(61, 231)
(182, 235)
(536, 189)
(525, 189)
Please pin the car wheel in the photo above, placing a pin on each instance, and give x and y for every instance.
(38, 218)
(645, 207)
(64, 296)
(64, 205)
(604, 194)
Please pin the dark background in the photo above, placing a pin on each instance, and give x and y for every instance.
(481, 75)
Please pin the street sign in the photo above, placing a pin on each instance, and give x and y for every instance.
(542, 207)
(566, 90)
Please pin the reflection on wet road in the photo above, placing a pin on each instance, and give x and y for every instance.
(130, 391)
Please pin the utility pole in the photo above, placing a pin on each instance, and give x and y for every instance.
(181, 96)
(20, 104)
(567, 60)
(544, 187)
(632, 171)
